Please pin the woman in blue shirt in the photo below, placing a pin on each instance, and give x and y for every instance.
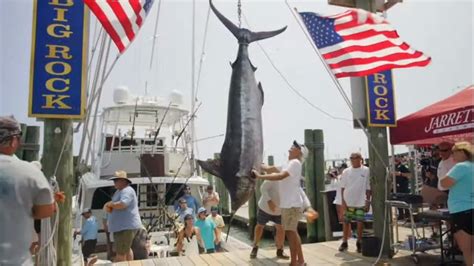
(459, 180)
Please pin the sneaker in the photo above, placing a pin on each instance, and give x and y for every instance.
(253, 254)
(359, 246)
(343, 247)
(282, 255)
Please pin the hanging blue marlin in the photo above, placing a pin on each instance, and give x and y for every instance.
(243, 146)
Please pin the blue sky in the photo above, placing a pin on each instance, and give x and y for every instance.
(441, 29)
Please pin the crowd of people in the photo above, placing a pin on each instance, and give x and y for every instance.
(26, 195)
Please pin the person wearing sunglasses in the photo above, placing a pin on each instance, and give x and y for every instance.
(459, 181)
(447, 162)
(25, 195)
(355, 192)
(402, 176)
(190, 200)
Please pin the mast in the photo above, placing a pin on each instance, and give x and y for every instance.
(193, 84)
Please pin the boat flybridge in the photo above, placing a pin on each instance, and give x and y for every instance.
(149, 139)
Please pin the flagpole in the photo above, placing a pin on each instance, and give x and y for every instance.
(364, 129)
(334, 79)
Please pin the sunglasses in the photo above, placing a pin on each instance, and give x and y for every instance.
(354, 158)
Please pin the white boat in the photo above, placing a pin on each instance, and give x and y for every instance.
(147, 138)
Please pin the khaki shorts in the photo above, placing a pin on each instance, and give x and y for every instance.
(123, 241)
(290, 218)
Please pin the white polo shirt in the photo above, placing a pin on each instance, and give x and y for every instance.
(443, 168)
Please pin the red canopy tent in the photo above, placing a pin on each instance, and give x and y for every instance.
(451, 119)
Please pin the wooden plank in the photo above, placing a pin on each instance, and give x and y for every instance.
(148, 262)
(197, 260)
(122, 263)
(222, 259)
(210, 260)
(135, 263)
(238, 260)
(331, 255)
(160, 262)
(245, 255)
(184, 260)
(172, 261)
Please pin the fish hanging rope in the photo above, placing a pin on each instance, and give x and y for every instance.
(239, 12)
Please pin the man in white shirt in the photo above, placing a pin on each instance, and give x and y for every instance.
(25, 195)
(291, 205)
(355, 192)
(447, 162)
(268, 210)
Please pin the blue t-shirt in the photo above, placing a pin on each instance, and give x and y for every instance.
(183, 212)
(90, 229)
(128, 218)
(190, 201)
(461, 196)
(207, 232)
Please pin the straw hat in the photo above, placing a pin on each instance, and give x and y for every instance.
(120, 174)
(464, 146)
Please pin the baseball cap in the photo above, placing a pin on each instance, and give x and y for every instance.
(302, 148)
(86, 210)
(9, 127)
(202, 209)
(214, 209)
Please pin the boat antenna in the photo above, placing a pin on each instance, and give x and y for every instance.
(161, 123)
(193, 115)
(135, 114)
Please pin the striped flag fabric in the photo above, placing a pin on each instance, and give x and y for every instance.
(121, 19)
(358, 43)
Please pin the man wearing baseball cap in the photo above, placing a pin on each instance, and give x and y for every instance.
(89, 232)
(219, 222)
(292, 203)
(24, 195)
(124, 218)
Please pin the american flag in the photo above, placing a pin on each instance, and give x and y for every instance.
(121, 19)
(358, 43)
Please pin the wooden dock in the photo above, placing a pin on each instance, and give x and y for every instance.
(324, 253)
(242, 216)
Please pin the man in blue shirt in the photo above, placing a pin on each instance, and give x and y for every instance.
(208, 229)
(191, 201)
(124, 218)
(89, 232)
(183, 210)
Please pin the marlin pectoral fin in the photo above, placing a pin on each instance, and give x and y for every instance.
(256, 36)
(261, 91)
(213, 167)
